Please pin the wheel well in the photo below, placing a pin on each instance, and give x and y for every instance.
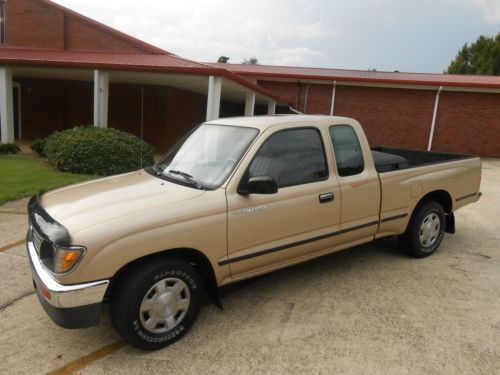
(440, 196)
(444, 199)
(195, 257)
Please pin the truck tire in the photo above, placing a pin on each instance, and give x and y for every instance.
(156, 303)
(425, 230)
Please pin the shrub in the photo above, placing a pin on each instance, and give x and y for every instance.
(97, 151)
(38, 146)
(9, 148)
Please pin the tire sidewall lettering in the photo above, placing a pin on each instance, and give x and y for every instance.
(179, 274)
(170, 335)
(178, 330)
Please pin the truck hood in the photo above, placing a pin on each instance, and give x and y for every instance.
(90, 203)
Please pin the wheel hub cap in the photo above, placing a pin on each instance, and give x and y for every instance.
(429, 230)
(164, 305)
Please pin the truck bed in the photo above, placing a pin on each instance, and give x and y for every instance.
(388, 159)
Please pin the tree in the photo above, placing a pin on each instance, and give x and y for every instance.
(481, 57)
(223, 59)
(250, 61)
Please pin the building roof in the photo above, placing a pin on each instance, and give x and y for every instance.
(125, 61)
(146, 47)
(98, 59)
(154, 59)
(402, 78)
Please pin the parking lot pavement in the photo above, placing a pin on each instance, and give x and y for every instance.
(370, 309)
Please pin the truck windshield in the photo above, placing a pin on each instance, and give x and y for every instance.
(206, 156)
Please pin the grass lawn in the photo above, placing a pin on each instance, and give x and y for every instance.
(25, 175)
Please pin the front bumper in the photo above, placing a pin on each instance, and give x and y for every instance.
(70, 306)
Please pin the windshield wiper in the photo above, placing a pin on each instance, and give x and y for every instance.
(157, 169)
(188, 178)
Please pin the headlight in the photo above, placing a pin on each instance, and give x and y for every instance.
(66, 258)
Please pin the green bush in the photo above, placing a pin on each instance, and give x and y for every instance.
(9, 148)
(38, 146)
(98, 151)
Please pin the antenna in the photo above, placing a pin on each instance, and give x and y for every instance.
(142, 120)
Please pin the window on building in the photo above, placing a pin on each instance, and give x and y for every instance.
(292, 157)
(3, 22)
(348, 153)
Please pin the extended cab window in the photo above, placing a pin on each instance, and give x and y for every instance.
(348, 153)
(292, 157)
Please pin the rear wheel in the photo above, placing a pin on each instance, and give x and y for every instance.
(156, 304)
(425, 230)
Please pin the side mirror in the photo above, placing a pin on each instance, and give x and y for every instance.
(260, 185)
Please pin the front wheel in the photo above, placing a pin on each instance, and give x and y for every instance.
(156, 304)
(425, 230)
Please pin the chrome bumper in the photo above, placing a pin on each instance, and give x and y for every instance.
(64, 296)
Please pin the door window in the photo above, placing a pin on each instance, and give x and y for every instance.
(348, 152)
(292, 157)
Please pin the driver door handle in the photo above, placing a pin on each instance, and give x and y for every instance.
(326, 197)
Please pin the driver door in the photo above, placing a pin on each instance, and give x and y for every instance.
(271, 230)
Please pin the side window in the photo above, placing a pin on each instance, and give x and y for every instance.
(292, 157)
(348, 153)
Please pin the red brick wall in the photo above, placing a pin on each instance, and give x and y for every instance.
(81, 36)
(319, 98)
(169, 113)
(384, 113)
(33, 24)
(30, 24)
(466, 122)
(469, 123)
(48, 105)
(390, 117)
(286, 90)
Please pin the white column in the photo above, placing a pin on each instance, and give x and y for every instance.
(271, 107)
(6, 105)
(249, 103)
(213, 97)
(332, 104)
(101, 94)
(434, 115)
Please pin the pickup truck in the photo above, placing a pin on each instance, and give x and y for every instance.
(233, 199)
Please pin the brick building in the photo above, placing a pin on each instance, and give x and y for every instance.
(59, 69)
(442, 112)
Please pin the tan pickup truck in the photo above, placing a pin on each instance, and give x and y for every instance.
(233, 199)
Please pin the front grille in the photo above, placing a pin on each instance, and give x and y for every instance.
(37, 240)
(43, 248)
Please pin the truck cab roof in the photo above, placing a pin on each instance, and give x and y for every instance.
(268, 121)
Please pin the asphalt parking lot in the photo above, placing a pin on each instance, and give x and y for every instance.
(366, 310)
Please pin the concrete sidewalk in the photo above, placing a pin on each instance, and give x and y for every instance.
(366, 310)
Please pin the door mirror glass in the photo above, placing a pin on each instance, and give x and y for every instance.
(260, 185)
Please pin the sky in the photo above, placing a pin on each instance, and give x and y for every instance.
(387, 35)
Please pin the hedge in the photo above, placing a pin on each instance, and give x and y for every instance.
(38, 146)
(9, 148)
(97, 151)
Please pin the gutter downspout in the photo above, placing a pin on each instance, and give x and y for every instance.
(332, 104)
(306, 98)
(297, 98)
(434, 115)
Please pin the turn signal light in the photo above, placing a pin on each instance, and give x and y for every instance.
(67, 258)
